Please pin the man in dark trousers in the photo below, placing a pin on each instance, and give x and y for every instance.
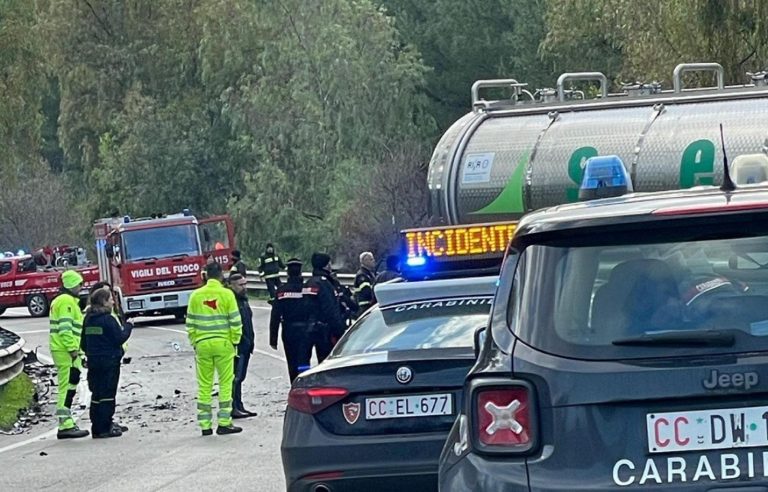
(326, 324)
(237, 264)
(364, 280)
(270, 266)
(245, 348)
(290, 309)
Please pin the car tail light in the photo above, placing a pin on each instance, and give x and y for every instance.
(313, 400)
(504, 417)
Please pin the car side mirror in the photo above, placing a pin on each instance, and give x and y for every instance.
(479, 339)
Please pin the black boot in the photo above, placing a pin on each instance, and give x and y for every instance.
(113, 432)
(238, 413)
(73, 433)
(231, 429)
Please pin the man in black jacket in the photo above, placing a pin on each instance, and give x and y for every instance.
(245, 348)
(102, 341)
(290, 309)
(324, 312)
(270, 266)
(237, 264)
(364, 280)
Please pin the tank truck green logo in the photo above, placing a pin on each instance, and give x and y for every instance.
(697, 165)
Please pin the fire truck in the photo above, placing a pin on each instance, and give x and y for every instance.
(23, 282)
(515, 154)
(155, 263)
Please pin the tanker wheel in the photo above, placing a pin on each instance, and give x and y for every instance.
(180, 315)
(37, 305)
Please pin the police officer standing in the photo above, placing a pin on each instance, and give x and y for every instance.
(270, 266)
(66, 324)
(214, 327)
(245, 348)
(290, 309)
(364, 280)
(324, 312)
(237, 264)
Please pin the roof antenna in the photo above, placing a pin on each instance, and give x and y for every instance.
(728, 184)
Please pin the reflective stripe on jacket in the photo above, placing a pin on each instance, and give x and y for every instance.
(213, 313)
(66, 323)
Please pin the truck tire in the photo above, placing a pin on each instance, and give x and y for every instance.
(2, 310)
(37, 305)
(180, 315)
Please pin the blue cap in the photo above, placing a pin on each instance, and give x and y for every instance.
(604, 176)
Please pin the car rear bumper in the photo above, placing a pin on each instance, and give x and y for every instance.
(312, 457)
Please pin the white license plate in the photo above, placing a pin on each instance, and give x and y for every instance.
(724, 428)
(408, 406)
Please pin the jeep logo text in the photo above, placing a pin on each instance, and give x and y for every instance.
(736, 380)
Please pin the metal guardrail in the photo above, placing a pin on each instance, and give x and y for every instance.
(256, 283)
(11, 356)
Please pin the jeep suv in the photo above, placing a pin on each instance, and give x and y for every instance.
(627, 348)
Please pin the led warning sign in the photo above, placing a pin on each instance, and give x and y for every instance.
(459, 242)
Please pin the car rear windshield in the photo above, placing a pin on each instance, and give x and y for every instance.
(653, 292)
(444, 323)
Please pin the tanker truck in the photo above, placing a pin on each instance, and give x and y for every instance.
(510, 156)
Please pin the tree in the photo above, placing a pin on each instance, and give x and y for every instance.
(463, 41)
(644, 41)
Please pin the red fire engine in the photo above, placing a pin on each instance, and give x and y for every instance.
(23, 282)
(155, 263)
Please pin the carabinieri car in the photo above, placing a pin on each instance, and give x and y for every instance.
(375, 414)
(627, 349)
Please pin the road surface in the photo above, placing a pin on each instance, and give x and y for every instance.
(163, 450)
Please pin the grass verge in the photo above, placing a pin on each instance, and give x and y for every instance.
(14, 396)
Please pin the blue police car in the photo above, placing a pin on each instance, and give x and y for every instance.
(375, 414)
(627, 348)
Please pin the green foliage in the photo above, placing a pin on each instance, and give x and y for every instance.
(16, 395)
(463, 41)
(310, 122)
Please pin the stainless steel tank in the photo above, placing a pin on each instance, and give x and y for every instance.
(509, 157)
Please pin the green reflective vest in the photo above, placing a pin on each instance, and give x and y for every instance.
(213, 313)
(66, 321)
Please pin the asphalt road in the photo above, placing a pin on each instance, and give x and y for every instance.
(163, 450)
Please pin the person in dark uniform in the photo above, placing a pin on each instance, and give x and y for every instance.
(392, 271)
(326, 324)
(102, 341)
(364, 280)
(245, 348)
(290, 309)
(270, 266)
(237, 264)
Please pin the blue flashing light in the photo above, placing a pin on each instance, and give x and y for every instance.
(20, 252)
(186, 212)
(126, 219)
(416, 261)
(605, 176)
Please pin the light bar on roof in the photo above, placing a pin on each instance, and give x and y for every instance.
(466, 242)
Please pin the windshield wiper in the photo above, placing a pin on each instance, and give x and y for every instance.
(180, 255)
(682, 338)
(148, 258)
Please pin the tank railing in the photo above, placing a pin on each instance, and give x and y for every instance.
(513, 84)
(683, 68)
(582, 76)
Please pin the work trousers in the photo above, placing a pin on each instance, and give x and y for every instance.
(272, 285)
(296, 347)
(103, 378)
(316, 338)
(215, 355)
(241, 371)
(68, 371)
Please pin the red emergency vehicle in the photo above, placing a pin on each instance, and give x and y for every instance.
(25, 283)
(155, 263)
